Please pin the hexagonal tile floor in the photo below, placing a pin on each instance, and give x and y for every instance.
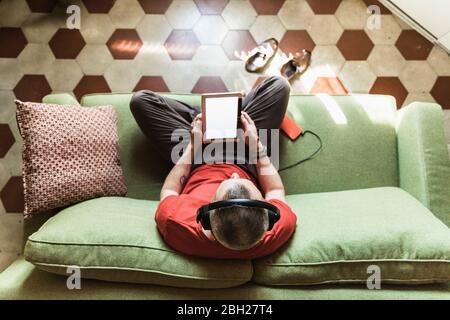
(198, 46)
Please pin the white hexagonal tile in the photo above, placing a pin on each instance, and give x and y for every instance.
(154, 28)
(4, 177)
(296, 14)
(418, 77)
(40, 27)
(325, 29)
(239, 14)
(357, 76)
(64, 75)
(10, 73)
(181, 76)
(210, 29)
(7, 106)
(261, 31)
(13, 13)
(152, 59)
(386, 61)
(388, 32)
(126, 14)
(122, 75)
(327, 61)
(96, 28)
(11, 226)
(439, 60)
(204, 63)
(36, 58)
(403, 25)
(352, 14)
(297, 87)
(13, 159)
(182, 14)
(236, 78)
(418, 97)
(94, 59)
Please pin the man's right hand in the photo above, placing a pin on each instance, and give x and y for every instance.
(197, 130)
(250, 130)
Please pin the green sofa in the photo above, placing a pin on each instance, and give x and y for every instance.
(382, 175)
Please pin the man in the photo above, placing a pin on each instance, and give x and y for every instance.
(237, 232)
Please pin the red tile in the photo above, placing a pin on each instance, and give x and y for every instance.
(383, 9)
(42, 5)
(295, 41)
(211, 6)
(182, 44)
(328, 85)
(324, 6)
(6, 140)
(441, 92)
(67, 43)
(238, 43)
(413, 46)
(153, 83)
(124, 44)
(355, 45)
(267, 6)
(209, 84)
(12, 42)
(32, 87)
(99, 6)
(391, 86)
(12, 195)
(155, 6)
(91, 84)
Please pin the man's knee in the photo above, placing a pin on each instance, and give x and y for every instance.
(280, 85)
(141, 99)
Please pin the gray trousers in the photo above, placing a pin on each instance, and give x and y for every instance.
(159, 116)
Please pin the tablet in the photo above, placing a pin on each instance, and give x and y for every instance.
(221, 112)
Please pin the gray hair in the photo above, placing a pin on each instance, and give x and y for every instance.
(238, 227)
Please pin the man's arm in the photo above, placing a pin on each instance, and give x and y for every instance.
(175, 181)
(268, 177)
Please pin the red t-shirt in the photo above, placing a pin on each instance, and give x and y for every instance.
(176, 217)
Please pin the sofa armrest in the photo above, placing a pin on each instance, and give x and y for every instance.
(424, 166)
(61, 98)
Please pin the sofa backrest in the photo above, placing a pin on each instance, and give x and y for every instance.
(358, 134)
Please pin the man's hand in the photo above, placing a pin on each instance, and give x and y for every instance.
(196, 128)
(250, 130)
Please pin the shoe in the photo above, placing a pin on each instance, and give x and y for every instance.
(260, 56)
(297, 65)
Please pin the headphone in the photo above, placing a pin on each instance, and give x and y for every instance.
(203, 213)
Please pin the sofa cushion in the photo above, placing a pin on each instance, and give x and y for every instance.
(116, 239)
(70, 154)
(340, 234)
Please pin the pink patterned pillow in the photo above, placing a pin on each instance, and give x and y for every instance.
(70, 154)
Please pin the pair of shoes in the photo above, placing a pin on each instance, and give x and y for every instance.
(264, 52)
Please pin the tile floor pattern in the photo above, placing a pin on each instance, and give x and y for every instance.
(196, 46)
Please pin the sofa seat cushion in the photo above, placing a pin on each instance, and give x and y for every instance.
(340, 234)
(116, 239)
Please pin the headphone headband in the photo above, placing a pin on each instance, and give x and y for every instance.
(203, 213)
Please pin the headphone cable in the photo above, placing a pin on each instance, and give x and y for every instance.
(313, 155)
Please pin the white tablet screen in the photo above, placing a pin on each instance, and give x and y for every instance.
(221, 117)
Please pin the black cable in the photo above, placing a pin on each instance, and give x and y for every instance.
(309, 157)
